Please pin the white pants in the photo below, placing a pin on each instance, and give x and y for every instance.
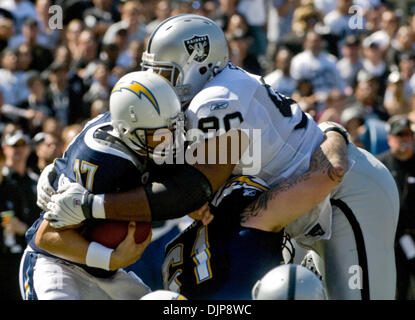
(47, 278)
(358, 261)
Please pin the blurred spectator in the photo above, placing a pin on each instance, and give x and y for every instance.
(162, 12)
(42, 56)
(280, 79)
(181, 6)
(318, 66)
(99, 17)
(367, 95)
(101, 86)
(109, 54)
(130, 20)
(285, 14)
(21, 10)
(69, 132)
(353, 118)
(52, 125)
(73, 9)
(255, 13)
(305, 19)
(131, 58)
(406, 67)
(47, 37)
(65, 92)
(411, 114)
(325, 6)
(16, 148)
(373, 62)
(11, 236)
(237, 25)
(72, 33)
(62, 55)
(305, 97)
(372, 11)
(404, 42)
(351, 63)
(400, 160)
(6, 30)
(210, 8)
(87, 48)
(24, 57)
(224, 11)
(99, 107)
(37, 107)
(395, 101)
(335, 104)
(389, 25)
(240, 42)
(338, 20)
(48, 147)
(12, 85)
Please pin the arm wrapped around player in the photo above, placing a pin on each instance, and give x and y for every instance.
(183, 191)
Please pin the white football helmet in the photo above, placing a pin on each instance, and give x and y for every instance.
(163, 295)
(142, 101)
(289, 282)
(187, 49)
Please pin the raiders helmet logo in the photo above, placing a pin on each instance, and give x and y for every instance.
(199, 44)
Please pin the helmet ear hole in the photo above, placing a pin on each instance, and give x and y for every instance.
(203, 70)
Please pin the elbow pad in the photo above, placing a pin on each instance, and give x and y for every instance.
(182, 190)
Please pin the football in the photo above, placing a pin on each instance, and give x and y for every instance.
(110, 233)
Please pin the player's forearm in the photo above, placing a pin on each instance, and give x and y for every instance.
(180, 191)
(128, 206)
(221, 155)
(70, 245)
(67, 244)
(216, 174)
(296, 196)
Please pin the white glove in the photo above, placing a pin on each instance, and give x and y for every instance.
(44, 186)
(70, 206)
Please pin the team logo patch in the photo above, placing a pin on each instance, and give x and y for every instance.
(201, 45)
(139, 90)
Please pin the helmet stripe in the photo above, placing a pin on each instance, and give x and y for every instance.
(138, 89)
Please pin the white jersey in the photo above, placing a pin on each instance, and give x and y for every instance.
(288, 137)
(235, 99)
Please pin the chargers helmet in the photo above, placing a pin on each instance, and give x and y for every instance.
(289, 282)
(163, 295)
(187, 49)
(142, 101)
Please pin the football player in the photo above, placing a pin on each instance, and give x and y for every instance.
(358, 218)
(62, 264)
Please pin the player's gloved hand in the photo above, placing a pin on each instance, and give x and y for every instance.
(44, 186)
(128, 251)
(70, 206)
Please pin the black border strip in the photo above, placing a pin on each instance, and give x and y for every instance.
(360, 245)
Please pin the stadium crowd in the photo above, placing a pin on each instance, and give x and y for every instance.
(351, 62)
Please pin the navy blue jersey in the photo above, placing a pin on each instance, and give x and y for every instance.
(94, 160)
(222, 260)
